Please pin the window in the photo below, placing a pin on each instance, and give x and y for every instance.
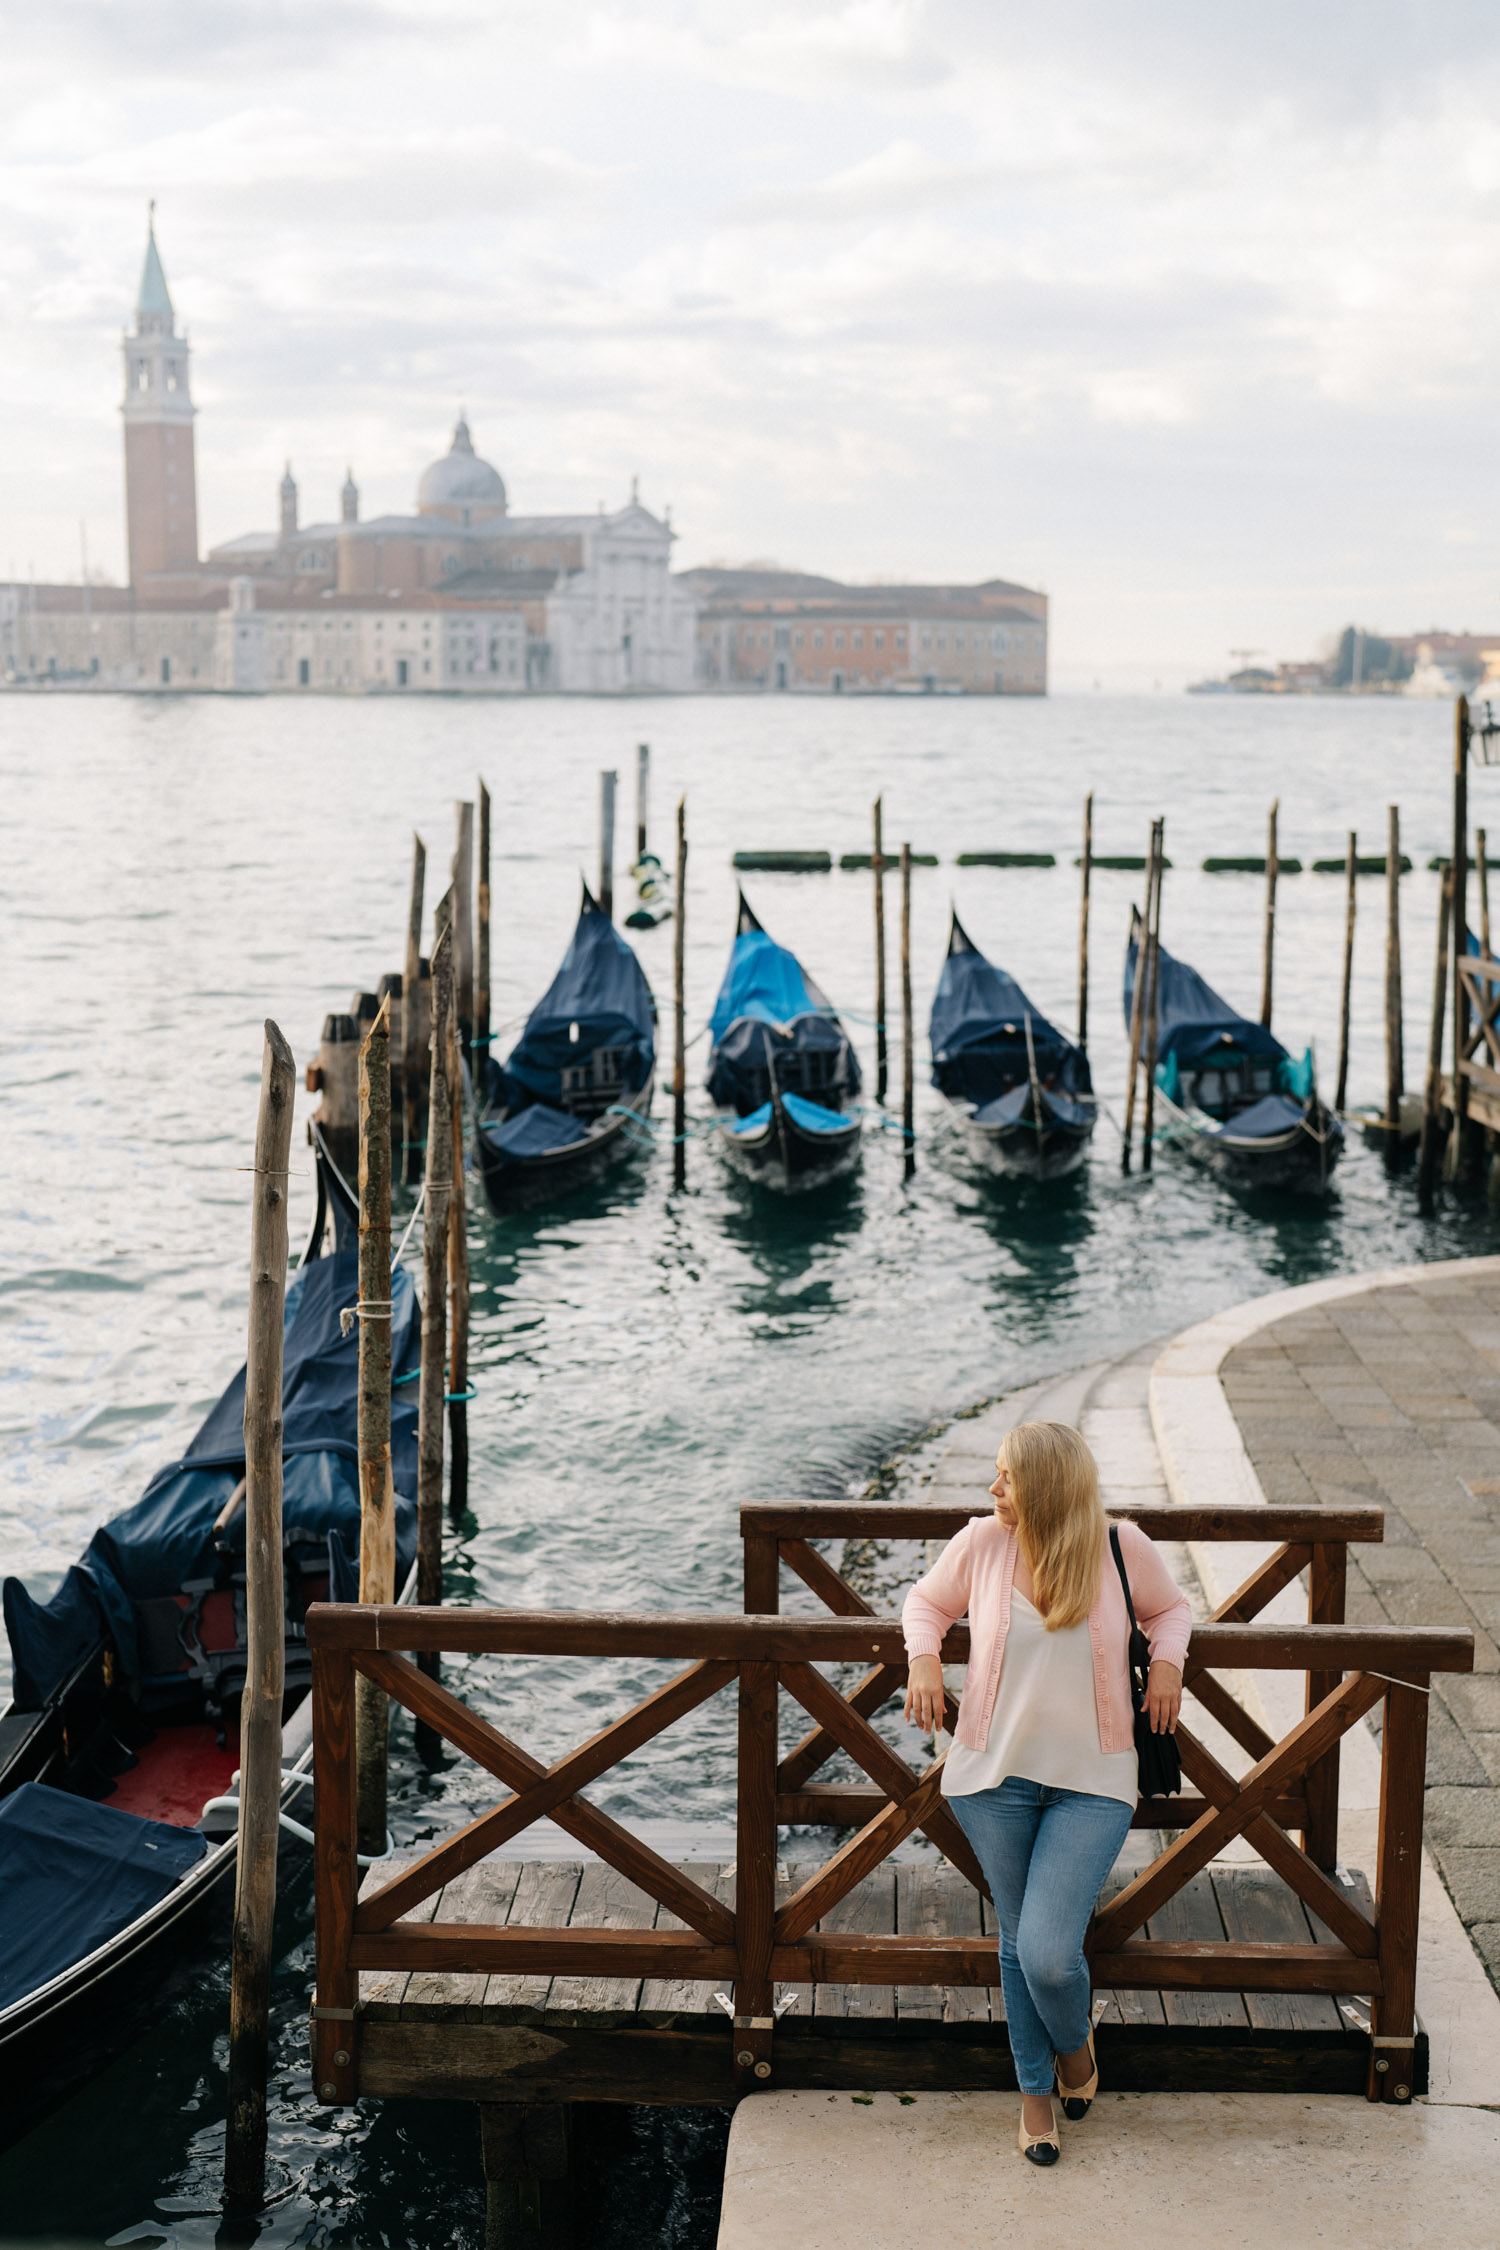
(166, 671)
(880, 640)
(797, 643)
(401, 671)
(818, 637)
(859, 639)
(304, 671)
(838, 640)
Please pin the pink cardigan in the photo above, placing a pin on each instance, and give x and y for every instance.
(975, 1572)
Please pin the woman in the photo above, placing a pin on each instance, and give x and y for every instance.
(1042, 1773)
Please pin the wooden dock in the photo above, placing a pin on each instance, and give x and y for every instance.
(468, 2036)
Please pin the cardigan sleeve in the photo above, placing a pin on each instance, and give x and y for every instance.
(939, 1599)
(1161, 1607)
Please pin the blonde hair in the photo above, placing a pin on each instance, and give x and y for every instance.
(1060, 1517)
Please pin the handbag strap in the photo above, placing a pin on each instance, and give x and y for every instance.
(1135, 1632)
(1114, 1541)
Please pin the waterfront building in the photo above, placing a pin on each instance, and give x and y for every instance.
(763, 628)
(463, 596)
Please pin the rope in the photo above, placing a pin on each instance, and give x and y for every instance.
(458, 1398)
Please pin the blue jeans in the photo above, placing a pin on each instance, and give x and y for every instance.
(1045, 1854)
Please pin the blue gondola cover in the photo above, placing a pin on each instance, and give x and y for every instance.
(978, 1034)
(74, 1874)
(1192, 1021)
(599, 998)
(769, 1013)
(167, 1537)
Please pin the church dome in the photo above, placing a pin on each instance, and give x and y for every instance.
(461, 482)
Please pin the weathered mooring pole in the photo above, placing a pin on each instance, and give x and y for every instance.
(679, 1009)
(1457, 1164)
(436, 1196)
(1083, 922)
(377, 1492)
(458, 1300)
(463, 924)
(642, 787)
(1429, 1153)
(1395, 1038)
(607, 785)
(1268, 942)
(413, 1058)
(1148, 1114)
(480, 1062)
(908, 1058)
(1351, 875)
(1482, 879)
(877, 862)
(265, 1670)
(1138, 1002)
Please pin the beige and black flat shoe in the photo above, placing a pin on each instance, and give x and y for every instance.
(1039, 2148)
(1076, 2100)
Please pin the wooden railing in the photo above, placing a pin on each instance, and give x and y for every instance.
(769, 1936)
(1311, 1539)
(1479, 981)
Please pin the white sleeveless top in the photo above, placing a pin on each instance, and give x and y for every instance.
(1045, 1726)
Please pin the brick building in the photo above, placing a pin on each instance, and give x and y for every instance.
(787, 630)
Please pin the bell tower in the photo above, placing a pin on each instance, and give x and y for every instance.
(161, 482)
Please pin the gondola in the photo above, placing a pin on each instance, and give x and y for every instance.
(120, 1744)
(1228, 1094)
(781, 1068)
(1021, 1090)
(561, 1108)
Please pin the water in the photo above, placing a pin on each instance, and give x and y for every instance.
(174, 871)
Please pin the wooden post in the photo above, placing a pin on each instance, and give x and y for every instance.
(1148, 1119)
(1083, 922)
(642, 787)
(1268, 944)
(908, 1058)
(377, 1492)
(335, 1878)
(877, 861)
(335, 1075)
(436, 1197)
(391, 991)
(1456, 1163)
(755, 1877)
(607, 782)
(1428, 1153)
(1395, 1040)
(1351, 869)
(265, 1672)
(1482, 878)
(458, 1291)
(1138, 1002)
(463, 924)
(1398, 1885)
(1327, 1583)
(413, 1060)
(481, 1060)
(679, 1010)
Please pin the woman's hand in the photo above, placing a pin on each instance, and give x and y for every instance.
(1163, 1697)
(924, 1693)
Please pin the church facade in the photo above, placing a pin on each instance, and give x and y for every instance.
(459, 597)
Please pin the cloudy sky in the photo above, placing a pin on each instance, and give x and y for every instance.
(1186, 310)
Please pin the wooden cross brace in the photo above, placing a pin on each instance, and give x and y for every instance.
(542, 1790)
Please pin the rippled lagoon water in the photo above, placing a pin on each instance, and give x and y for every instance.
(173, 871)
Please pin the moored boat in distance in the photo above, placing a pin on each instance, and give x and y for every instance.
(558, 1111)
(1230, 1095)
(781, 1069)
(119, 1748)
(1020, 1088)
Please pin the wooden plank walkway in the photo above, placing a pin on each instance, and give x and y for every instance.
(507, 2038)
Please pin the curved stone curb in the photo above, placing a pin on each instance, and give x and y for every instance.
(1203, 1456)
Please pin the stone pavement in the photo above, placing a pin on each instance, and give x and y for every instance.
(845, 2171)
(1392, 1395)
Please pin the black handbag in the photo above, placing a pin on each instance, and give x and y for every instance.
(1160, 1767)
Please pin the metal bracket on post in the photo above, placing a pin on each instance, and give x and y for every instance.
(335, 2054)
